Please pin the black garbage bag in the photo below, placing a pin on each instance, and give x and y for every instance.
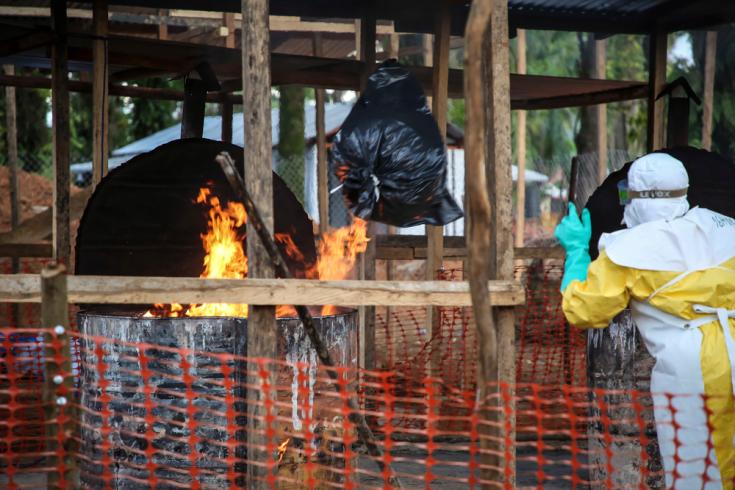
(711, 178)
(390, 157)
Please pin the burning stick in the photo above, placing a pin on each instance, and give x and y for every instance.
(356, 417)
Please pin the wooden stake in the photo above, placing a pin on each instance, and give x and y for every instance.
(322, 180)
(61, 135)
(521, 149)
(259, 183)
(656, 83)
(57, 392)
(11, 124)
(100, 88)
(710, 52)
(601, 73)
(477, 226)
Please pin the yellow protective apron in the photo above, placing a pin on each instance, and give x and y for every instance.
(677, 386)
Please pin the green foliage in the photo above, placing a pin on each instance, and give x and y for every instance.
(149, 116)
(290, 164)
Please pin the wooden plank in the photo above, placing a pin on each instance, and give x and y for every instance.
(601, 73)
(61, 135)
(710, 52)
(39, 227)
(656, 83)
(322, 177)
(57, 362)
(477, 220)
(18, 250)
(499, 153)
(256, 71)
(521, 149)
(25, 288)
(100, 88)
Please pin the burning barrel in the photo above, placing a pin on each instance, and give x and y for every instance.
(162, 388)
(156, 394)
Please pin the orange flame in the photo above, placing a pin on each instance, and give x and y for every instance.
(225, 257)
(282, 449)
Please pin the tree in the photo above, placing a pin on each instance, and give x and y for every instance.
(149, 116)
(290, 163)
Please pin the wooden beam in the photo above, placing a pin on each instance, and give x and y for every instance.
(100, 89)
(601, 73)
(26, 42)
(322, 178)
(656, 83)
(61, 135)
(521, 148)
(25, 288)
(256, 75)
(499, 158)
(20, 250)
(477, 226)
(710, 53)
(115, 90)
(228, 22)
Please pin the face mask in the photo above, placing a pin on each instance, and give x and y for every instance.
(640, 211)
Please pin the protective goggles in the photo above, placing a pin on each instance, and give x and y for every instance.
(625, 195)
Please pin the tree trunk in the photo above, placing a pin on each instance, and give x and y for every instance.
(291, 139)
(586, 137)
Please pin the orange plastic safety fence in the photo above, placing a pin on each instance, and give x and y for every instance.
(150, 415)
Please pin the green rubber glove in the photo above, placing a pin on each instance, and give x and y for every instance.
(574, 235)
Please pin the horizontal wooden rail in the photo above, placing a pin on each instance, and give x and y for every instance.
(20, 250)
(413, 247)
(26, 288)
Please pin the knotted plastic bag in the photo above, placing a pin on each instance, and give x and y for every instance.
(390, 157)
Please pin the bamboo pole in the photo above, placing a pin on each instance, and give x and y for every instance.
(601, 73)
(322, 181)
(259, 182)
(100, 89)
(710, 52)
(478, 230)
(656, 83)
(521, 149)
(61, 135)
(11, 124)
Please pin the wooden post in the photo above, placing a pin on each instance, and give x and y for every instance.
(395, 45)
(11, 123)
(322, 177)
(440, 86)
(61, 136)
(477, 226)
(521, 149)
(100, 87)
(600, 72)
(498, 136)
(59, 380)
(228, 22)
(367, 43)
(162, 26)
(192, 113)
(259, 181)
(226, 114)
(710, 52)
(656, 83)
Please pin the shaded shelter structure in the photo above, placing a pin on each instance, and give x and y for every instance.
(491, 93)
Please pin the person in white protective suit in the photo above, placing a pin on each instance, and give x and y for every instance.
(676, 269)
